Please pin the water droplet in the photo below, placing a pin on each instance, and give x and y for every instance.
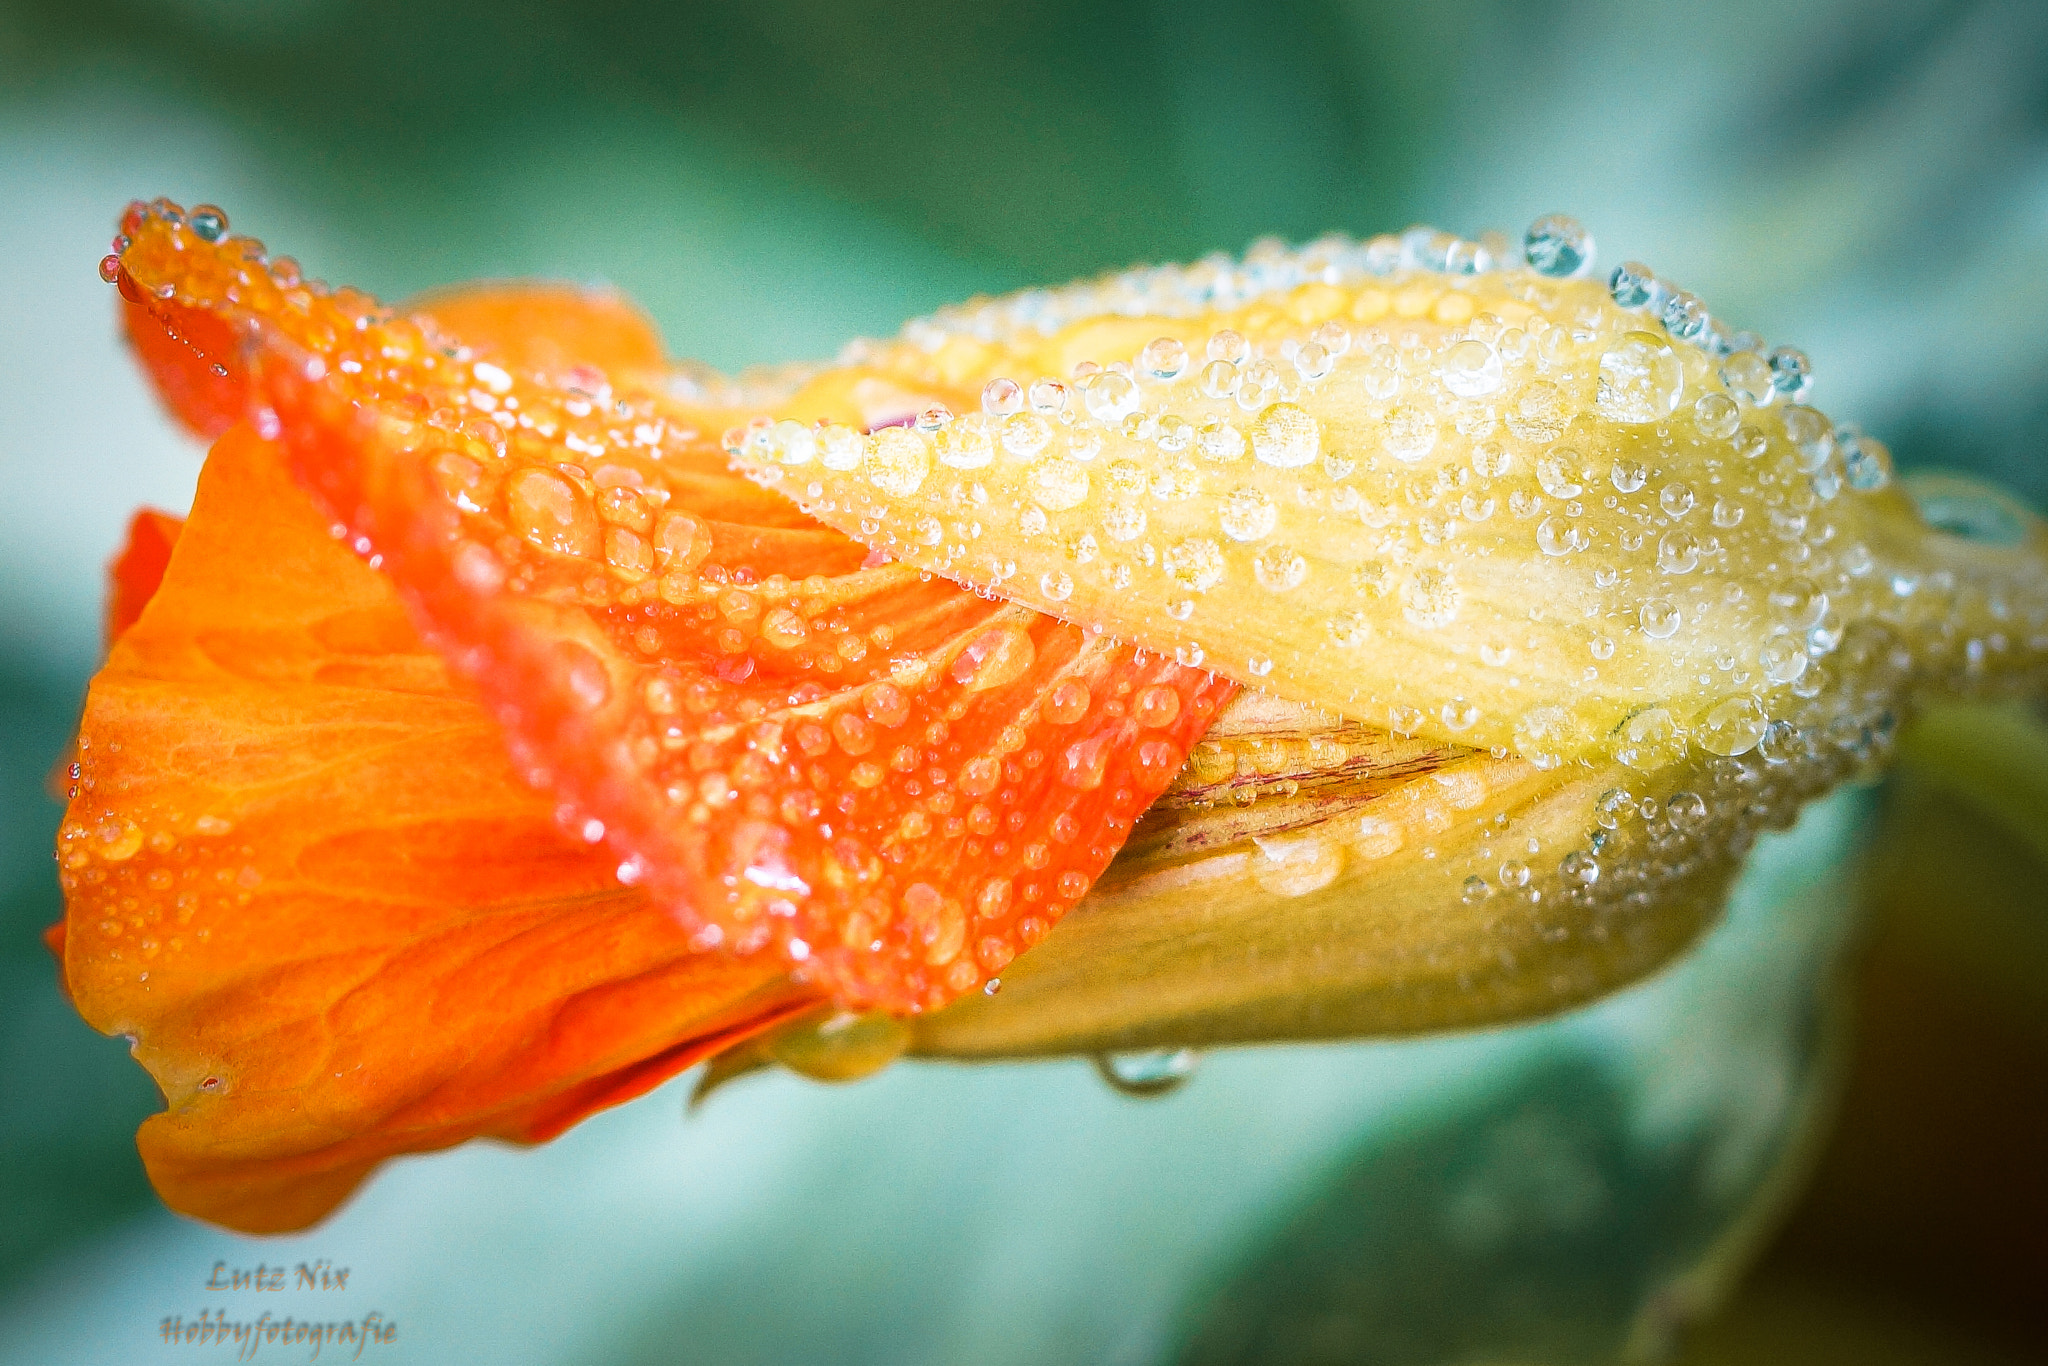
(1002, 397)
(1248, 514)
(1056, 585)
(552, 513)
(1410, 432)
(1781, 743)
(1660, 618)
(1540, 412)
(1458, 714)
(1430, 598)
(1627, 475)
(1058, 483)
(1471, 369)
(1558, 246)
(1110, 397)
(1146, 1075)
(1958, 506)
(1047, 396)
(1866, 462)
(1580, 867)
(1732, 727)
(1278, 568)
(1632, 284)
(1685, 316)
(1560, 536)
(1558, 473)
(1716, 416)
(1229, 347)
(1163, 358)
(1514, 873)
(1811, 435)
(1640, 380)
(965, 445)
(1748, 377)
(1675, 499)
(1196, 564)
(1476, 890)
(840, 448)
(1297, 863)
(1285, 436)
(897, 461)
(208, 222)
(1791, 372)
(1650, 740)
(1312, 362)
(1783, 659)
(1685, 810)
(1677, 552)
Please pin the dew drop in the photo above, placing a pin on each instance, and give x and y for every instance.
(1640, 380)
(1146, 1075)
(1285, 436)
(1677, 552)
(1248, 514)
(1163, 358)
(1002, 397)
(1409, 432)
(1716, 416)
(1732, 727)
(1471, 369)
(1650, 740)
(1278, 568)
(1660, 618)
(897, 461)
(1558, 246)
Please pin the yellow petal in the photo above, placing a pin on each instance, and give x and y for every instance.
(1499, 509)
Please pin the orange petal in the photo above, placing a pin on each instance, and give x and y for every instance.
(135, 573)
(547, 327)
(897, 784)
(302, 875)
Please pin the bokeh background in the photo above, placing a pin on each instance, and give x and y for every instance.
(1865, 178)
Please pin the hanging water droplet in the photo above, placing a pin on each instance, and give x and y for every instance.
(1149, 1074)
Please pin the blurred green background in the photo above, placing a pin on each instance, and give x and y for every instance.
(1867, 180)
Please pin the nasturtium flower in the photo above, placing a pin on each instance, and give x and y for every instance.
(1364, 638)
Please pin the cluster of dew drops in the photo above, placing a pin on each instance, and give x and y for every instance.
(1847, 636)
